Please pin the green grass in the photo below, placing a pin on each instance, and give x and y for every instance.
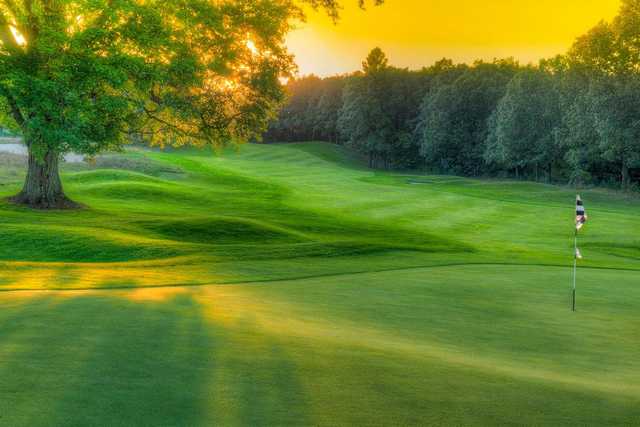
(288, 285)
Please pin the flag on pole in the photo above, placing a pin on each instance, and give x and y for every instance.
(581, 219)
(581, 214)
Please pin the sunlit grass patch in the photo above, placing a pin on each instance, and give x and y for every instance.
(141, 274)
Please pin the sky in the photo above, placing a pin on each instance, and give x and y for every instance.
(416, 33)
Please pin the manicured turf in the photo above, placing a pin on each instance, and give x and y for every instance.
(286, 284)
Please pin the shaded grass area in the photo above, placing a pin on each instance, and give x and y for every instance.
(368, 349)
(437, 328)
(53, 243)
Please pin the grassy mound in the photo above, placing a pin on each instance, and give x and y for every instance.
(49, 243)
(220, 231)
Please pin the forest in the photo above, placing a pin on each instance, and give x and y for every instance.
(571, 119)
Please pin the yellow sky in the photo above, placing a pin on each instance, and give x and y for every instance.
(414, 33)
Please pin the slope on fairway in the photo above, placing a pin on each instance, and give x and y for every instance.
(326, 294)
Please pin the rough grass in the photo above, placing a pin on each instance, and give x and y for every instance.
(287, 285)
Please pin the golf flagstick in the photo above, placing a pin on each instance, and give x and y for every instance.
(575, 270)
(581, 219)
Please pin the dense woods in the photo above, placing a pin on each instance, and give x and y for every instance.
(574, 118)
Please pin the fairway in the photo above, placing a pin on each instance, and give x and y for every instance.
(287, 284)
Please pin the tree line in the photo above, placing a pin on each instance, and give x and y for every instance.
(574, 118)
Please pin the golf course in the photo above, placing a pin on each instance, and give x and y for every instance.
(288, 284)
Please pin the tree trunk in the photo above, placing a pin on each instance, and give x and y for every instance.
(625, 176)
(43, 188)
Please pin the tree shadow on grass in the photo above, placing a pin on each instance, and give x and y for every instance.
(95, 359)
(273, 394)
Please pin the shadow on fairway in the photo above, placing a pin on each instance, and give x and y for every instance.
(90, 360)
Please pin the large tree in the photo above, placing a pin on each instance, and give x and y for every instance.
(89, 75)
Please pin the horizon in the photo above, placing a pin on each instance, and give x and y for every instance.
(525, 32)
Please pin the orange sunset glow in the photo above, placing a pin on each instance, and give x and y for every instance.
(415, 33)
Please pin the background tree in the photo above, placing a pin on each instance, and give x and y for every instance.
(608, 57)
(454, 117)
(379, 111)
(523, 126)
(616, 113)
(311, 111)
(363, 122)
(296, 119)
(328, 110)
